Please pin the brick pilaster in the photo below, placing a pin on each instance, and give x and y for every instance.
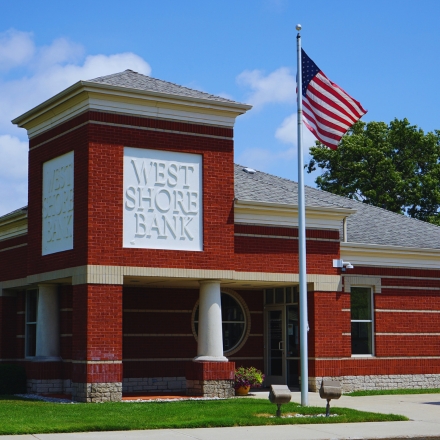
(210, 379)
(97, 343)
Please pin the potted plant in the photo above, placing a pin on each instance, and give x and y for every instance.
(245, 378)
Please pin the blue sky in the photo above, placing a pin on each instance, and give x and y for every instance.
(384, 53)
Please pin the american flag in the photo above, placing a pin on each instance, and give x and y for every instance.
(328, 111)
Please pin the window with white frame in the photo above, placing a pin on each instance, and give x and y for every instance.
(361, 306)
(31, 322)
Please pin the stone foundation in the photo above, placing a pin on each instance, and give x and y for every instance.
(49, 386)
(380, 382)
(97, 392)
(222, 388)
(151, 384)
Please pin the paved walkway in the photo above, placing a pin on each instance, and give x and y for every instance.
(422, 409)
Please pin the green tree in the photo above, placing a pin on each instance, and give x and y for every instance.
(395, 166)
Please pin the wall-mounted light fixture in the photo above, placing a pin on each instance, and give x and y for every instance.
(342, 264)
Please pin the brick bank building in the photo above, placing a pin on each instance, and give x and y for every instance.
(147, 261)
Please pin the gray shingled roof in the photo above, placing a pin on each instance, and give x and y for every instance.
(369, 225)
(137, 81)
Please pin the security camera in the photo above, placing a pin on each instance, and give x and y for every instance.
(342, 264)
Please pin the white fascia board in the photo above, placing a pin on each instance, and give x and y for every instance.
(361, 254)
(234, 107)
(13, 225)
(154, 109)
(277, 214)
(107, 98)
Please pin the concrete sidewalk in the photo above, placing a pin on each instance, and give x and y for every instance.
(422, 409)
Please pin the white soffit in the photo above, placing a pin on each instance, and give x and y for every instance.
(274, 214)
(84, 96)
(361, 254)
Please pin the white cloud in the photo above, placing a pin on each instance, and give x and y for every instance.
(287, 133)
(14, 154)
(13, 172)
(60, 51)
(49, 70)
(16, 48)
(263, 159)
(22, 94)
(275, 159)
(277, 87)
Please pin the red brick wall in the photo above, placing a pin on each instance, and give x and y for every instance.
(105, 197)
(20, 325)
(327, 325)
(169, 313)
(66, 300)
(98, 168)
(77, 141)
(13, 261)
(96, 320)
(403, 321)
(264, 254)
(97, 333)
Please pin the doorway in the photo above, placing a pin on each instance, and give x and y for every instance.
(282, 336)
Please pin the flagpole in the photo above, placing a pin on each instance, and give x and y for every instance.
(302, 240)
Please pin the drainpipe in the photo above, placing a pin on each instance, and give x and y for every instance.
(344, 230)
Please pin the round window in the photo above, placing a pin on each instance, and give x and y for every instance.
(234, 322)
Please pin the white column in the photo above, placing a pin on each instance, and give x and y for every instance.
(48, 327)
(210, 334)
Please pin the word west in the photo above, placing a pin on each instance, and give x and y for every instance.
(162, 200)
(58, 204)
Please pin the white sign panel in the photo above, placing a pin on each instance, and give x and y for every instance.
(58, 204)
(162, 200)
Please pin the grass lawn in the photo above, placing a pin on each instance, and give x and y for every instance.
(401, 391)
(19, 416)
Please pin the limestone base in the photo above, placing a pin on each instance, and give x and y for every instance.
(97, 392)
(380, 382)
(152, 384)
(49, 386)
(223, 388)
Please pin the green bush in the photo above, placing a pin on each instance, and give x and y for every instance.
(12, 379)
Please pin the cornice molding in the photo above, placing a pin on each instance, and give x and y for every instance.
(83, 96)
(390, 256)
(277, 214)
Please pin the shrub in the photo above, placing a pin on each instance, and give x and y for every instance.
(12, 379)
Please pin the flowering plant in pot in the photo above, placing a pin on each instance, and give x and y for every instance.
(247, 377)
